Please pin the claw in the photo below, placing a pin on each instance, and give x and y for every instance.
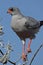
(24, 57)
(28, 50)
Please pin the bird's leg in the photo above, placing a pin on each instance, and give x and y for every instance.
(28, 49)
(23, 51)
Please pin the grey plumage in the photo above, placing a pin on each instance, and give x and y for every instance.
(24, 26)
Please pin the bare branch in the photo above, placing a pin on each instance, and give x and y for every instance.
(8, 60)
(1, 52)
(14, 63)
(35, 54)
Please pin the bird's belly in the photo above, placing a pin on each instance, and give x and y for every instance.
(27, 34)
(17, 29)
(23, 34)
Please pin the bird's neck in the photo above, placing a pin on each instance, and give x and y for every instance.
(17, 16)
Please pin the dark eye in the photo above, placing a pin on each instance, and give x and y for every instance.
(11, 9)
(0, 28)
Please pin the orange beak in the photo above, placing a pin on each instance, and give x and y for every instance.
(9, 11)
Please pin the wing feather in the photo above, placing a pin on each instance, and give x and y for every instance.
(32, 23)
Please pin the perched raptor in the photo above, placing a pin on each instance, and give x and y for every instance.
(24, 26)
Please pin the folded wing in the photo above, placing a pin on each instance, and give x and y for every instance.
(32, 23)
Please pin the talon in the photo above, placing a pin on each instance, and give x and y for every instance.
(24, 56)
(28, 50)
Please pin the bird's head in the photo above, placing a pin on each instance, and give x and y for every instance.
(13, 11)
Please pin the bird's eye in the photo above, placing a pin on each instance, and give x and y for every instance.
(11, 9)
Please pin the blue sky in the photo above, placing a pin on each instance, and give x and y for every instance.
(33, 8)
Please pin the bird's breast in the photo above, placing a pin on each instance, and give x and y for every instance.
(17, 23)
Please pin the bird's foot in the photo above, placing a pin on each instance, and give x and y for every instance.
(24, 56)
(29, 50)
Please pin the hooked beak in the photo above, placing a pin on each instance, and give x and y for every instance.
(9, 11)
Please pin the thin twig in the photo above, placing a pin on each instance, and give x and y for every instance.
(35, 54)
(1, 52)
(14, 63)
(8, 60)
(18, 59)
(21, 57)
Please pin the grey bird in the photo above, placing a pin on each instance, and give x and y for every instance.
(24, 26)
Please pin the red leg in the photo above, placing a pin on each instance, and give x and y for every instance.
(23, 52)
(28, 49)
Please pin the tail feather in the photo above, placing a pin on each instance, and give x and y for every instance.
(41, 23)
